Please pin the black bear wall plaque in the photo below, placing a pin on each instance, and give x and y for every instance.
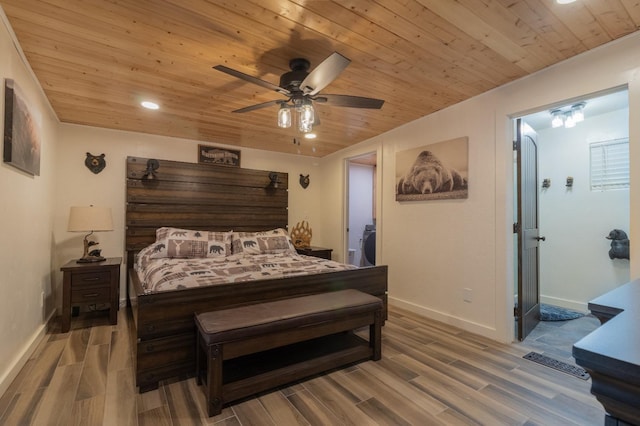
(95, 163)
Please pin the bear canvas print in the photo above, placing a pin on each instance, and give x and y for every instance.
(433, 172)
(21, 131)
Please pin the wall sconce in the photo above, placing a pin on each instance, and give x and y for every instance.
(150, 172)
(546, 183)
(569, 181)
(273, 178)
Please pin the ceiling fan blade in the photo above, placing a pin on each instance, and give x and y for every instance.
(260, 106)
(350, 101)
(324, 73)
(251, 79)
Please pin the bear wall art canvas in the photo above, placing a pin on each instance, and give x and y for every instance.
(21, 131)
(433, 172)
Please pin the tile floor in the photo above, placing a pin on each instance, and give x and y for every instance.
(556, 338)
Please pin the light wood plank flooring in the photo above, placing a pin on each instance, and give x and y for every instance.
(430, 373)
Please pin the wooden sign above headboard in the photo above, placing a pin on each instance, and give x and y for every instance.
(201, 196)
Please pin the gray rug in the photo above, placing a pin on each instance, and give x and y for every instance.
(556, 313)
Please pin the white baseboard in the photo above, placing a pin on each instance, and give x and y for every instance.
(565, 303)
(470, 326)
(12, 371)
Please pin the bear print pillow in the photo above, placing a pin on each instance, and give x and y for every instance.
(186, 243)
(266, 242)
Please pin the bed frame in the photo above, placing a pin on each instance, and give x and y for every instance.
(216, 198)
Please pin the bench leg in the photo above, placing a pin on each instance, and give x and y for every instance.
(214, 380)
(375, 336)
(198, 360)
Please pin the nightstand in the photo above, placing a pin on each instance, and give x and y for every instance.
(91, 283)
(324, 253)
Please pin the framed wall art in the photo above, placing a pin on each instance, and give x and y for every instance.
(219, 156)
(433, 172)
(21, 131)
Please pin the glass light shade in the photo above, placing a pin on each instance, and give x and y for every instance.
(284, 116)
(569, 122)
(577, 112)
(306, 118)
(89, 219)
(557, 120)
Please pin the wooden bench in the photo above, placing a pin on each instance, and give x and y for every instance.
(250, 349)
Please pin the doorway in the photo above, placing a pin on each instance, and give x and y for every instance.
(574, 215)
(361, 210)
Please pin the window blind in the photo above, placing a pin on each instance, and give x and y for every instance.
(610, 164)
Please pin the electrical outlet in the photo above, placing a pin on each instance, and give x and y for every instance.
(467, 295)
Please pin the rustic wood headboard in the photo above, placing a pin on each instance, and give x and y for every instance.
(200, 196)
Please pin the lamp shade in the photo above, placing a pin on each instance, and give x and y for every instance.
(88, 219)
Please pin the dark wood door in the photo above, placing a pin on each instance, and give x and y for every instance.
(528, 307)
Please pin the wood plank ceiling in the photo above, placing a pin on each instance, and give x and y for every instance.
(97, 59)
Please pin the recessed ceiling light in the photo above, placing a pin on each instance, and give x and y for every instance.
(565, 1)
(150, 105)
(310, 135)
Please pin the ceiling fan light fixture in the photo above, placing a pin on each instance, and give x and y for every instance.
(305, 126)
(284, 116)
(302, 87)
(306, 116)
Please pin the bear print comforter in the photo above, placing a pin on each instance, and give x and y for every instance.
(165, 274)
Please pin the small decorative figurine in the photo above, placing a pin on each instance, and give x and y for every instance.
(95, 163)
(619, 244)
(301, 234)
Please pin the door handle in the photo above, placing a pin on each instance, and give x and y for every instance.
(541, 238)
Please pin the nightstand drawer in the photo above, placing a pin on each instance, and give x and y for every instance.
(90, 278)
(91, 295)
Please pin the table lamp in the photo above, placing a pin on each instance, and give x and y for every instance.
(90, 219)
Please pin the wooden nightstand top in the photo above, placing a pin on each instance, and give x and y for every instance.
(321, 252)
(73, 264)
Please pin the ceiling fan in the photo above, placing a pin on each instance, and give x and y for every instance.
(302, 88)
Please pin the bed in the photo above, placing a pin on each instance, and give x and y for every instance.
(214, 199)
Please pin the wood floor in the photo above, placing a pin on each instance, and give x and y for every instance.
(430, 374)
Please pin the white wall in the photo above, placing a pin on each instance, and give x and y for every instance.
(79, 186)
(435, 249)
(26, 217)
(574, 261)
